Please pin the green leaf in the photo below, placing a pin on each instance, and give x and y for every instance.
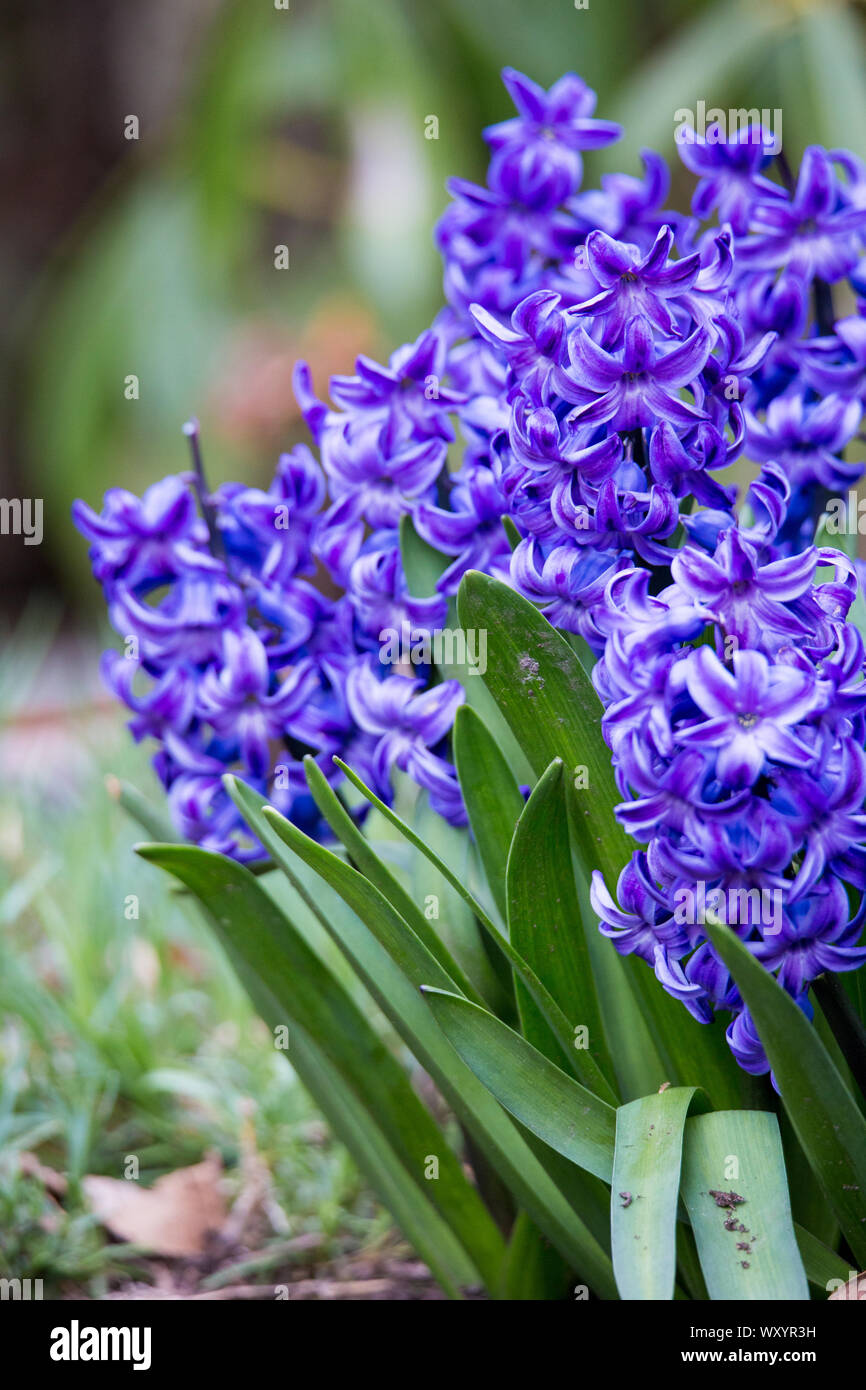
(293, 987)
(394, 963)
(422, 564)
(547, 1005)
(141, 810)
(372, 868)
(644, 1193)
(550, 704)
(559, 1110)
(491, 795)
(822, 1265)
(768, 1264)
(533, 1269)
(824, 1114)
(545, 926)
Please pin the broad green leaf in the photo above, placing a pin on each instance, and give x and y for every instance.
(761, 1261)
(545, 926)
(292, 986)
(491, 795)
(644, 1193)
(559, 1110)
(351, 1122)
(550, 704)
(345, 828)
(394, 963)
(823, 1112)
(547, 1005)
(423, 566)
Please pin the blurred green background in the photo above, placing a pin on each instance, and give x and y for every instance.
(258, 127)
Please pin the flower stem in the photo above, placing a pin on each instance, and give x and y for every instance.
(845, 1023)
(824, 313)
(208, 510)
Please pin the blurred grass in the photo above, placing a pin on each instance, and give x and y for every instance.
(127, 1037)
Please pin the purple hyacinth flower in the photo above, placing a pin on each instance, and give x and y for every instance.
(380, 596)
(534, 341)
(638, 386)
(134, 540)
(729, 171)
(168, 703)
(747, 598)
(743, 1040)
(682, 464)
(536, 159)
(242, 700)
(750, 713)
(643, 922)
(825, 810)
(567, 583)
(188, 625)
(812, 234)
(471, 530)
(807, 439)
(408, 722)
(382, 476)
(816, 936)
(629, 208)
(838, 363)
(636, 284)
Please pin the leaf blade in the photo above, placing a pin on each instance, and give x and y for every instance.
(770, 1266)
(644, 1193)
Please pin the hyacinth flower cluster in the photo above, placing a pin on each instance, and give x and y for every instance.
(734, 708)
(235, 661)
(599, 362)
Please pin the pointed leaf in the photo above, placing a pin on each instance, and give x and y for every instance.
(393, 963)
(559, 1110)
(293, 987)
(545, 926)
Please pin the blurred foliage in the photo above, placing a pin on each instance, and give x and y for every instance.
(122, 1034)
(306, 128)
